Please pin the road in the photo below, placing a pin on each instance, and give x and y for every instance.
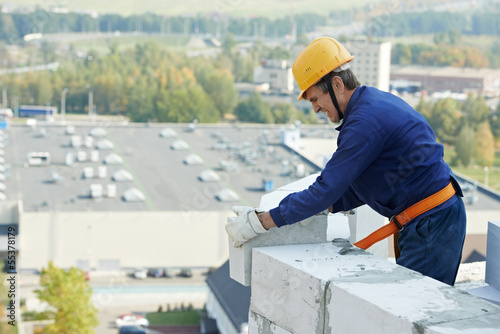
(118, 293)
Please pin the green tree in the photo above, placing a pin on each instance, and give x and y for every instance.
(229, 45)
(485, 145)
(44, 89)
(312, 117)
(495, 123)
(284, 113)
(425, 108)
(465, 146)
(186, 105)
(475, 111)
(445, 120)
(219, 85)
(69, 297)
(140, 106)
(254, 109)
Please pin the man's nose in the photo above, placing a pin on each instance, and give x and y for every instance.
(316, 108)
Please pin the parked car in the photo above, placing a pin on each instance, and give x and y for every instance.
(133, 329)
(158, 272)
(130, 319)
(140, 273)
(185, 272)
(167, 272)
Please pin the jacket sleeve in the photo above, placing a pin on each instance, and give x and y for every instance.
(348, 201)
(358, 145)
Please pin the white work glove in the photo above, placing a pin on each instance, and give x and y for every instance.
(306, 221)
(244, 226)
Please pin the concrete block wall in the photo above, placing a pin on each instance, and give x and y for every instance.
(240, 258)
(312, 288)
(491, 292)
(362, 222)
(493, 255)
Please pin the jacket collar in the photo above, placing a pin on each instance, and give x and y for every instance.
(352, 101)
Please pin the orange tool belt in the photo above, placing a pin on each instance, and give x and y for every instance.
(397, 222)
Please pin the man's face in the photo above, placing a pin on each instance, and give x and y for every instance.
(322, 102)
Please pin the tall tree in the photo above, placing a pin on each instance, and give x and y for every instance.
(485, 145)
(475, 111)
(445, 120)
(495, 123)
(465, 145)
(284, 113)
(254, 109)
(69, 296)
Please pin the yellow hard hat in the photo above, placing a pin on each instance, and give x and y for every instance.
(319, 58)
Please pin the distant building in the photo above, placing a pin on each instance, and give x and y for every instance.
(277, 73)
(372, 62)
(455, 79)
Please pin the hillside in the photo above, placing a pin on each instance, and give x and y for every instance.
(268, 8)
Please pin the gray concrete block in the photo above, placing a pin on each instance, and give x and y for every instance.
(321, 288)
(493, 255)
(240, 258)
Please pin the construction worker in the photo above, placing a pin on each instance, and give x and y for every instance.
(387, 157)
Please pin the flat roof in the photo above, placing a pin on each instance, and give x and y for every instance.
(159, 172)
(448, 71)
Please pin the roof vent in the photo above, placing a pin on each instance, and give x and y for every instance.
(104, 144)
(70, 130)
(226, 195)
(122, 175)
(179, 145)
(76, 141)
(133, 195)
(95, 191)
(167, 133)
(208, 176)
(111, 190)
(88, 173)
(192, 160)
(113, 159)
(98, 132)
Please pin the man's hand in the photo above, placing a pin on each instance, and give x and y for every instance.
(244, 226)
(306, 221)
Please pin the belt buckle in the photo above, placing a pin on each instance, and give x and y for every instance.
(393, 218)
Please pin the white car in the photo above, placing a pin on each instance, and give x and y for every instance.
(131, 320)
(140, 273)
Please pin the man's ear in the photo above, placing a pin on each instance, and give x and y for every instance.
(338, 85)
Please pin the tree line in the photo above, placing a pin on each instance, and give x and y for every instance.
(149, 84)
(469, 126)
(13, 26)
(431, 22)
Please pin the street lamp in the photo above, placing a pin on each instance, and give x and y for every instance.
(63, 104)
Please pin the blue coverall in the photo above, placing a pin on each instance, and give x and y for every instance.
(387, 157)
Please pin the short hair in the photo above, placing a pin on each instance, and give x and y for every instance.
(347, 76)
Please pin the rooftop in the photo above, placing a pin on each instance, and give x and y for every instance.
(239, 155)
(449, 71)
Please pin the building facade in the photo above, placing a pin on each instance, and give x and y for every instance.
(372, 62)
(485, 81)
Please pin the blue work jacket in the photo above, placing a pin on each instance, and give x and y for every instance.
(387, 157)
